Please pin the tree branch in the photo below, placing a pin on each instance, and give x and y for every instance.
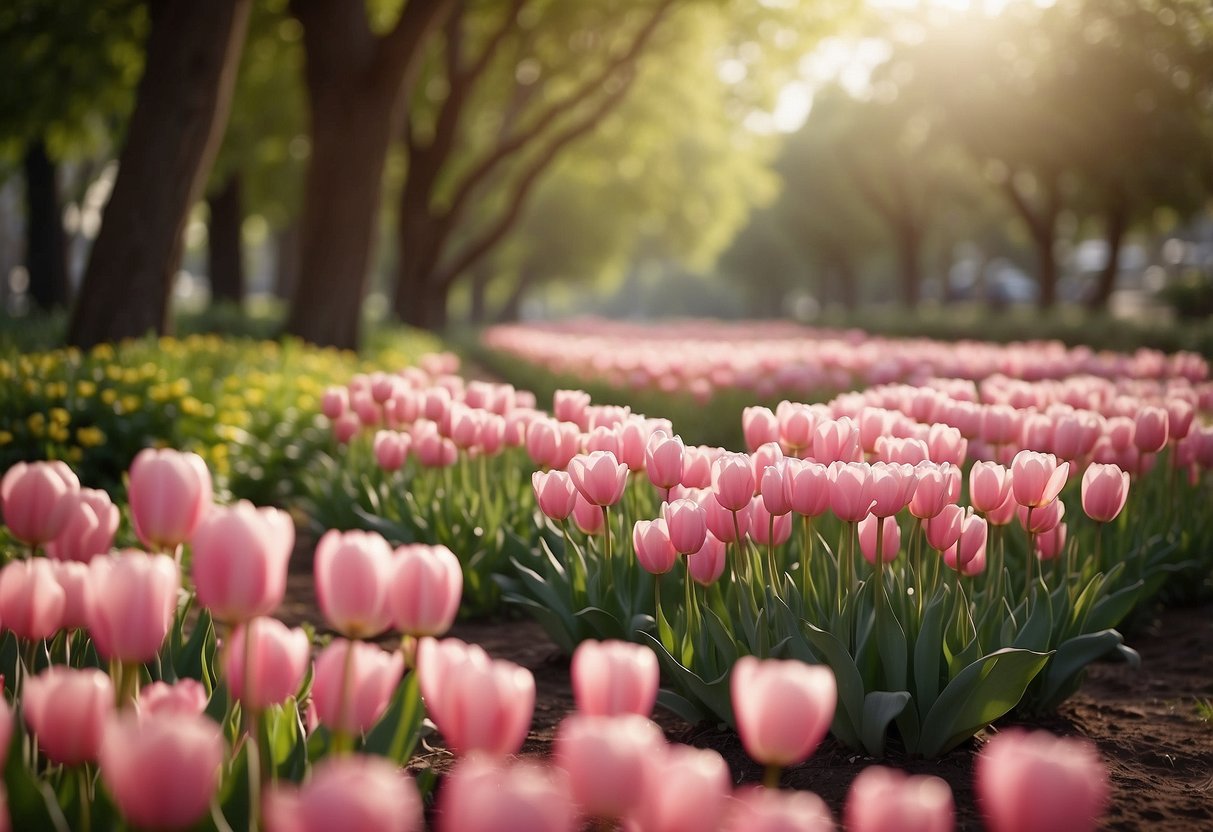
(481, 245)
(395, 54)
(512, 144)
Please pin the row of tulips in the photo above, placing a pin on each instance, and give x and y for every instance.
(705, 358)
(125, 708)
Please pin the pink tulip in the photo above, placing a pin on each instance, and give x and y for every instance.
(466, 425)
(614, 677)
(1036, 782)
(946, 444)
(686, 790)
(1000, 424)
(92, 522)
(603, 438)
(352, 704)
(599, 477)
(425, 589)
(32, 602)
(807, 484)
(892, 487)
(968, 553)
(346, 427)
(484, 794)
(605, 757)
(272, 669)
(933, 489)
(634, 435)
(588, 517)
(74, 577)
(686, 522)
(696, 467)
(989, 486)
(943, 530)
(1036, 478)
(837, 441)
(797, 423)
(874, 423)
(161, 769)
(759, 426)
(37, 498)
(851, 496)
(721, 522)
(334, 402)
(66, 710)
(1105, 488)
(774, 490)
(391, 449)
(885, 799)
(240, 558)
(432, 449)
(353, 793)
(707, 565)
(769, 810)
(550, 443)
(1052, 543)
(571, 406)
(353, 570)
(1150, 429)
(663, 460)
(1005, 513)
(763, 531)
(733, 481)
(170, 493)
(1180, 415)
(782, 708)
(186, 696)
(478, 704)
(554, 493)
(654, 551)
(1043, 519)
(890, 545)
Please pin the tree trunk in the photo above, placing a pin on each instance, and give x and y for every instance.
(909, 263)
(478, 312)
(45, 241)
(421, 239)
(511, 310)
(286, 260)
(355, 82)
(181, 109)
(224, 244)
(1116, 224)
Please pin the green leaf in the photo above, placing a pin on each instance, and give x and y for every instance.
(880, 707)
(602, 624)
(1112, 609)
(235, 798)
(891, 641)
(396, 734)
(713, 695)
(1064, 672)
(680, 706)
(927, 651)
(1038, 628)
(849, 717)
(559, 630)
(31, 802)
(982, 692)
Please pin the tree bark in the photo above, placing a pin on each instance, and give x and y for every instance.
(181, 109)
(1116, 223)
(286, 260)
(1042, 225)
(511, 309)
(478, 312)
(225, 247)
(45, 241)
(356, 82)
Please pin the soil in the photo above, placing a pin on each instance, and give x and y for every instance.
(1148, 724)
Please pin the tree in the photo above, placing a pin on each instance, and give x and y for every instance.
(67, 72)
(179, 114)
(356, 81)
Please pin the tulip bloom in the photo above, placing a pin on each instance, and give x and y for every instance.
(663, 460)
(273, 667)
(66, 710)
(892, 487)
(883, 799)
(1036, 782)
(837, 440)
(687, 790)
(654, 551)
(352, 571)
(851, 491)
(240, 557)
(352, 703)
(605, 757)
(696, 467)
(989, 486)
(707, 565)
(733, 481)
(599, 477)
(774, 491)
(588, 517)
(425, 589)
(1150, 429)
(484, 794)
(943, 530)
(186, 696)
(391, 449)
(1036, 478)
(933, 489)
(92, 522)
(161, 769)
(760, 426)
(614, 677)
(762, 530)
(807, 484)
(73, 576)
(782, 708)
(354, 793)
(37, 498)
(686, 521)
(478, 704)
(170, 493)
(1105, 488)
(890, 545)
(770, 810)
(554, 493)
(968, 553)
(32, 601)
(1043, 519)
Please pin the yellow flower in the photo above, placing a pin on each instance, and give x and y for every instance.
(90, 437)
(85, 389)
(75, 454)
(60, 416)
(108, 396)
(36, 424)
(58, 433)
(103, 352)
(5, 437)
(130, 403)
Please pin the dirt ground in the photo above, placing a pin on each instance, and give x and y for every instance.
(1147, 723)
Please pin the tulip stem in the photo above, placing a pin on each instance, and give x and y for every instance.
(879, 595)
(1027, 582)
(254, 769)
(692, 612)
(770, 778)
(343, 740)
(806, 582)
(86, 798)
